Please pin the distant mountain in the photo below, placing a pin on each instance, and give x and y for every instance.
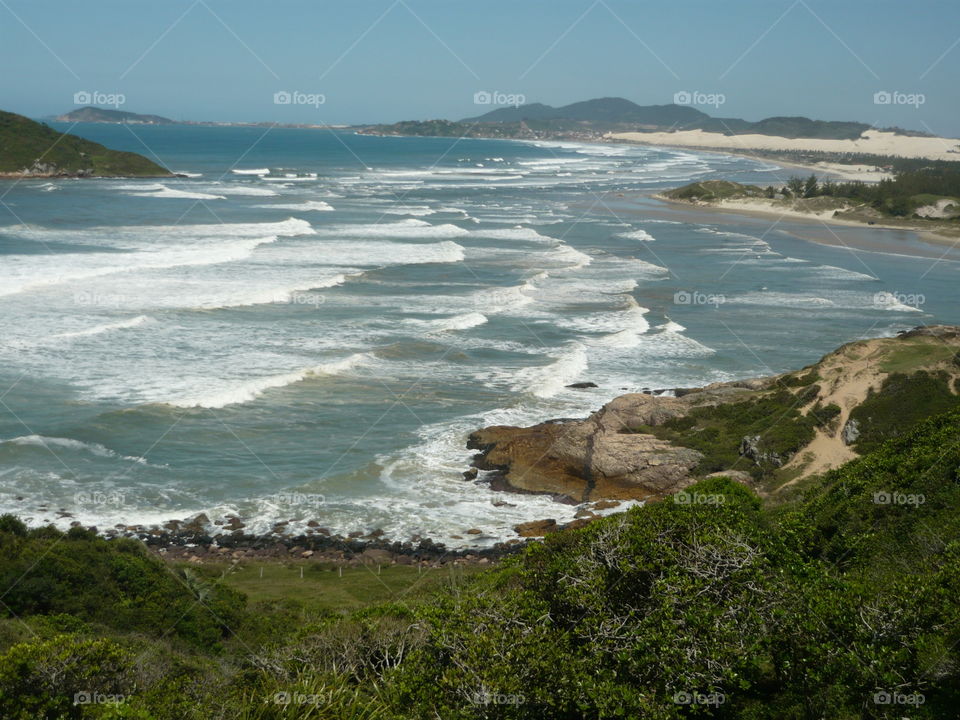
(788, 127)
(32, 149)
(102, 115)
(594, 118)
(602, 110)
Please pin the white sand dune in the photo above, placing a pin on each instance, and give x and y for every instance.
(872, 142)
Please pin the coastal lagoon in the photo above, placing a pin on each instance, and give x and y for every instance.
(308, 325)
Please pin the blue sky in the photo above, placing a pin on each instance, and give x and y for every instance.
(387, 60)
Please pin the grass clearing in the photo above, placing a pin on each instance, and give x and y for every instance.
(323, 587)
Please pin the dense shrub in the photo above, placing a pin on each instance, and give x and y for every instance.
(902, 401)
(115, 583)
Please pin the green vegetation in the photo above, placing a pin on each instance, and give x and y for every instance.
(95, 114)
(932, 193)
(902, 196)
(328, 588)
(713, 190)
(908, 355)
(118, 585)
(900, 403)
(28, 147)
(600, 112)
(758, 435)
(789, 127)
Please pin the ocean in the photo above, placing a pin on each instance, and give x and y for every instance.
(308, 326)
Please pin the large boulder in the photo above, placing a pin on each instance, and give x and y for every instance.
(585, 460)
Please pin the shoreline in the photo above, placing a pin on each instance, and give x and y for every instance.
(832, 171)
(925, 235)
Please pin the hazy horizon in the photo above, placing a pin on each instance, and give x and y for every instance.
(210, 60)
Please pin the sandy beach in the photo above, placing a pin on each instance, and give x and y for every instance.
(872, 142)
(762, 208)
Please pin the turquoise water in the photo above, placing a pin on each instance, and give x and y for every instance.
(308, 326)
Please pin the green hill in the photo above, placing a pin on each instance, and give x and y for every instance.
(102, 115)
(32, 149)
(613, 114)
(601, 110)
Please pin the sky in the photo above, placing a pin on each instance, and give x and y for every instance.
(364, 61)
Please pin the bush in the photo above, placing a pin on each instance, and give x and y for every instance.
(902, 401)
(114, 583)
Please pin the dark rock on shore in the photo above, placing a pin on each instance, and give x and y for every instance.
(236, 546)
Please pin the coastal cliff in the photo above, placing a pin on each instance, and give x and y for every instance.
(766, 432)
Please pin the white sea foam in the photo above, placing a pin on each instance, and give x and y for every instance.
(507, 299)
(43, 271)
(457, 322)
(107, 327)
(410, 228)
(621, 327)
(572, 258)
(307, 206)
(414, 210)
(254, 171)
(642, 235)
(515, 233)
(671, 326)
(548, 380)
(162, 191)
(231, 189)
(250, 390)
(894, 305)
(61, 443)
(297, 295)
(133, 236)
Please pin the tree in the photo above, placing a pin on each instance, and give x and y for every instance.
(810, 186)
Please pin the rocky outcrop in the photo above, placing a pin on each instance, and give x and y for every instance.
(612, 454)
(851, 431)
(750, 448)
(536, 528)
(579, 461)
(604, 456)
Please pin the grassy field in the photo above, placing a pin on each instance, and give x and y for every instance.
(916, 353)
(325, 587)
